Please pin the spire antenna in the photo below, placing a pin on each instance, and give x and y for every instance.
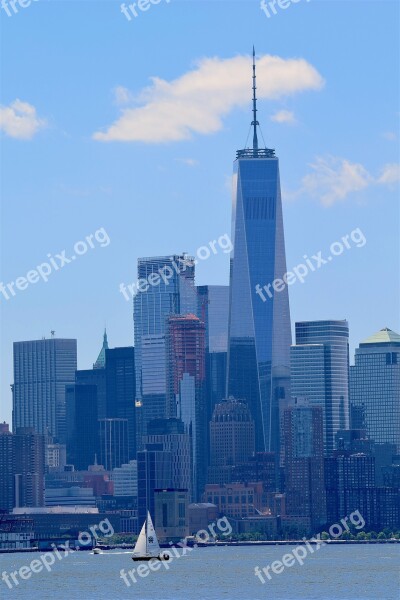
(255, 122)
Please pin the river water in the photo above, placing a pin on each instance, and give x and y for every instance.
(225, 573)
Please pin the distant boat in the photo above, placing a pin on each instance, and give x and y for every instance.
(97, 551)
(147, 546)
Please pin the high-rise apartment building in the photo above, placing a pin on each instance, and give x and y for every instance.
(259, 320)
(320, 372)
(375, 387)
(42, 369)
(22, 468)
(304, 463)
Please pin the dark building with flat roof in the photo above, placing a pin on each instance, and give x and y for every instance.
(83, 428)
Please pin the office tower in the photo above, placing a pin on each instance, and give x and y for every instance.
(320, 372)
(213, 310)
(375, 387)
(232, 434)
(165, 287)
(113, 376)
(96, 377)
(186, 388)
(154, 472)
(42, 369)
(4, 427)
(83, 442)
(121, 390)
(259, 318)
(114, 442)
(304, 463)
(171, 435)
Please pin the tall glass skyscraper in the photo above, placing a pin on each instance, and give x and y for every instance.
(167, 284)
(320, 372)
(42, 369)
(375, 387)
(259, 324)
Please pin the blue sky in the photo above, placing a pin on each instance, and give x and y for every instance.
(329, 105)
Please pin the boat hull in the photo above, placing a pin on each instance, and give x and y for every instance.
(147, 558)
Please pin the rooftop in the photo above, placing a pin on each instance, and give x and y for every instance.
(384, 336)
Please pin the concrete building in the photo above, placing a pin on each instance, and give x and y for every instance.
(171, 514)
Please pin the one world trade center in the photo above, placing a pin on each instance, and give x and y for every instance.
(259, 324)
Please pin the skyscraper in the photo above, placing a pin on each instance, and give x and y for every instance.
(42, 369)
(304, 463)
(114, 442)
(259, 325)
(170, 433)
(231, 434)
(166, 285)
(154, 468)
(186, 388)
(213, 310)
(83, 441)
(121, 390)
(320, 372)
(375, 387)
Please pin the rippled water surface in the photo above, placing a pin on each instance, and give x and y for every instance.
(227, 573)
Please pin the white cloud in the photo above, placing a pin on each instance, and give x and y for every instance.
(390, 174)
(197, 102)
(284, 116)
(19, 120)
(334, 179)
(122, 95)
(190, 162)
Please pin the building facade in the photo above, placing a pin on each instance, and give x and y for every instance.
(232, 434)
(186, 388)
(304, 463)
(42, 369)
(166, 287)
(320, 372)
(259, 318)
(375, 387)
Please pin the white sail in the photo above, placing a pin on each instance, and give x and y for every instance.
(141, 547)
(153, 547)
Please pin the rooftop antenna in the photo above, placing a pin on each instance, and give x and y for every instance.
(255, 122)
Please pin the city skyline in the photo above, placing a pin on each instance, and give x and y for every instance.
(88, 291)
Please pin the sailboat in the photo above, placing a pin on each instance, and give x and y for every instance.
(147, 546)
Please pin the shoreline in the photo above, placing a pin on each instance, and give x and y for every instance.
(213, 545)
